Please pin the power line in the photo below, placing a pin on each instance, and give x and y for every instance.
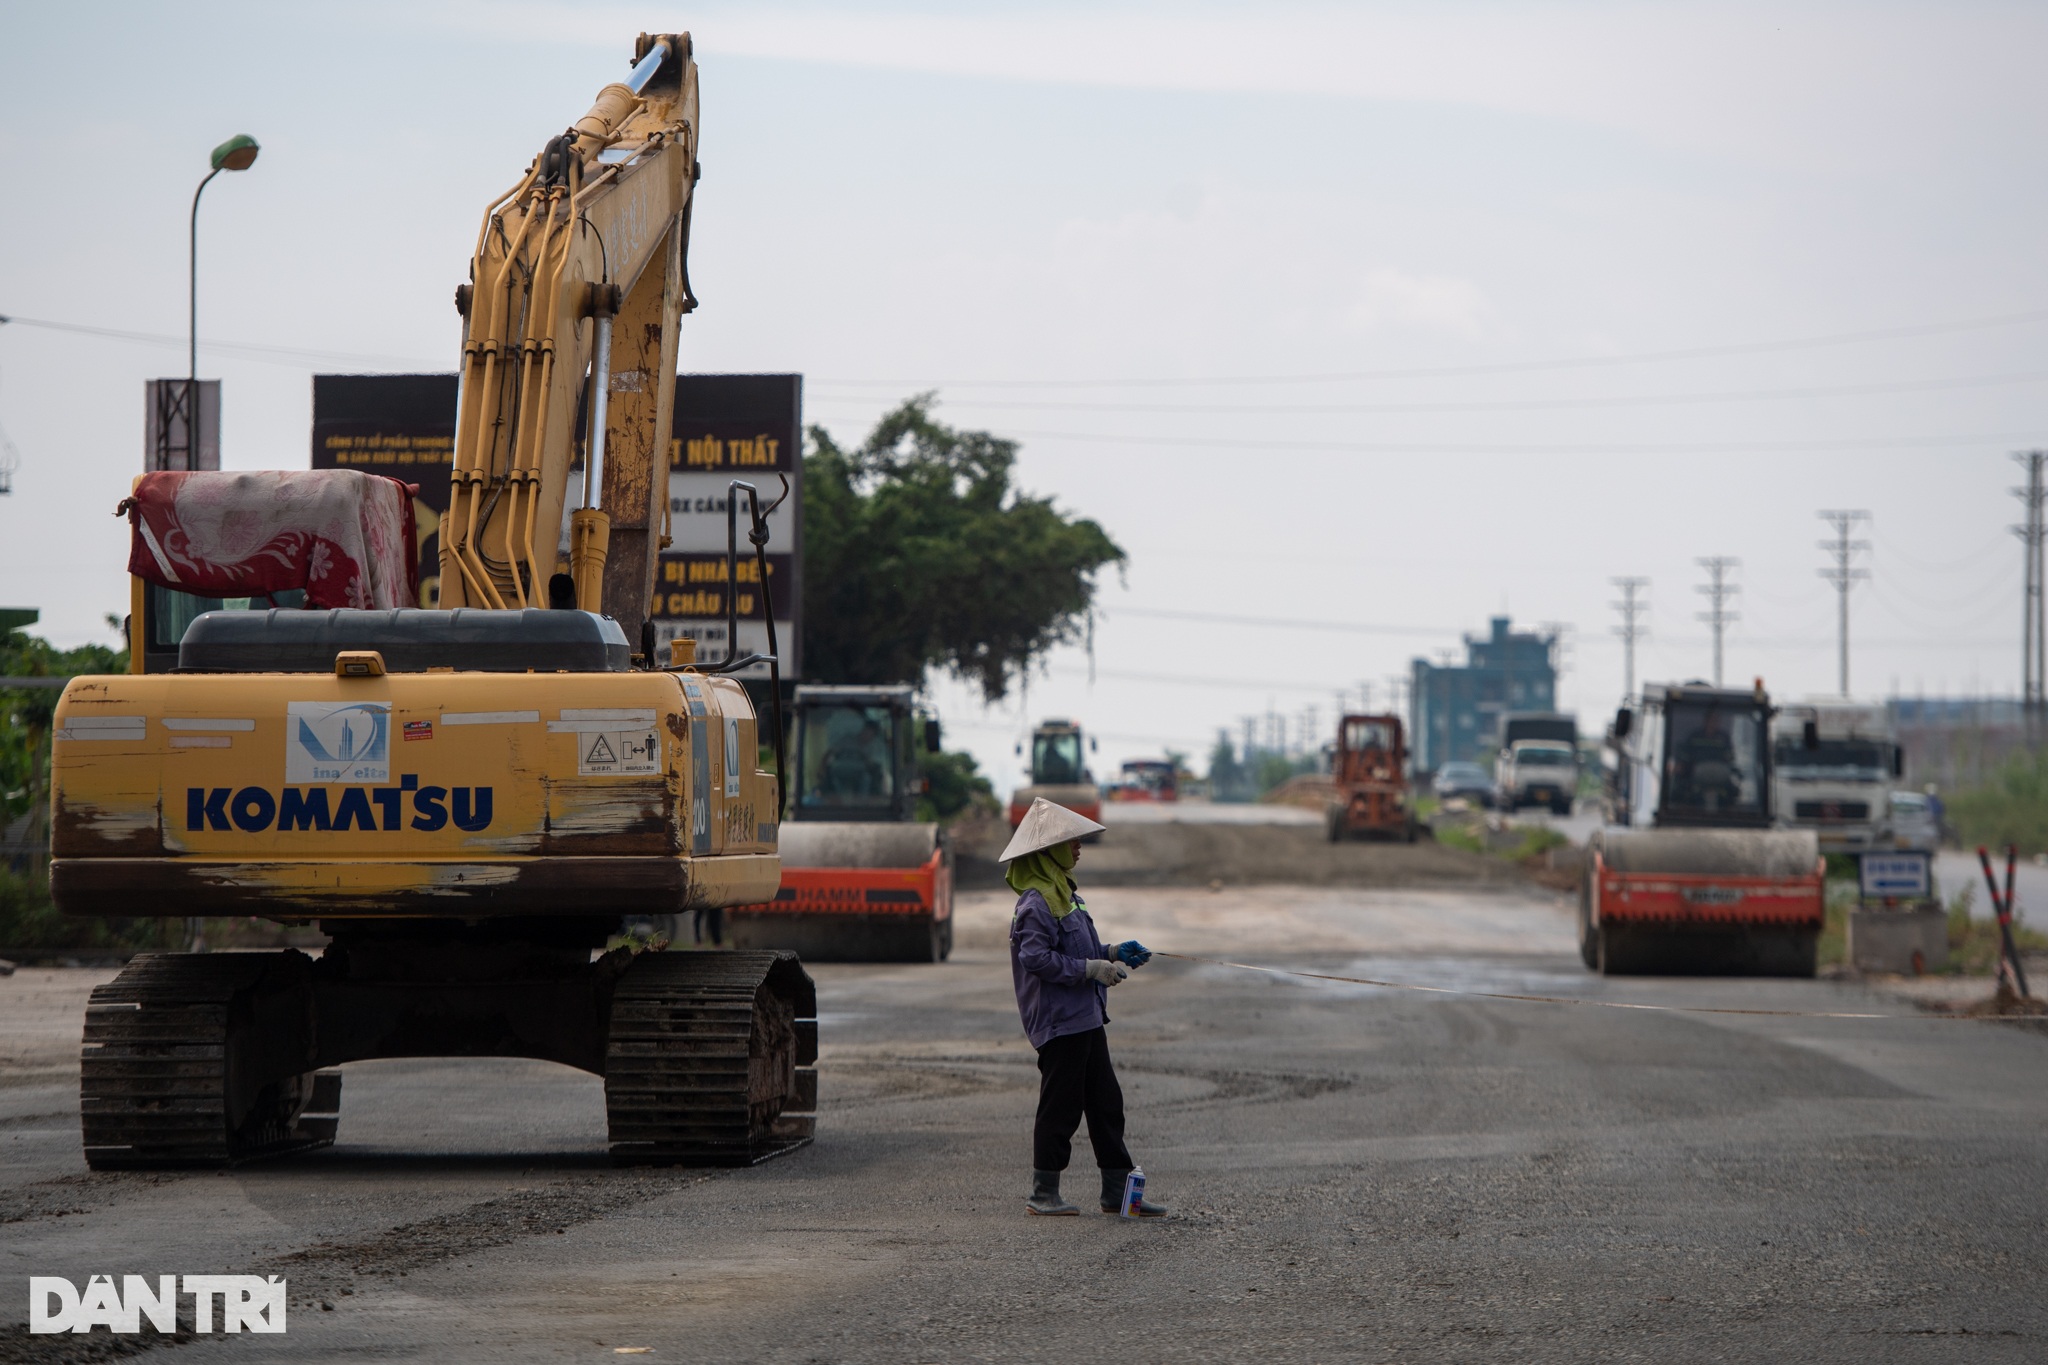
(1717, 590)
(1631, 629)
(1508, 404)
(1281, 622)
(245, 350)
(1256, 445)
(1843, 577)
(1510, 367)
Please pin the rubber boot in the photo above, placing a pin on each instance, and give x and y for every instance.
(1113, 1196)
(1045, 1197)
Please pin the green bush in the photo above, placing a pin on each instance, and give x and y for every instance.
(28, 920)
(957, 787)
(2012, 808)
(1467, 837)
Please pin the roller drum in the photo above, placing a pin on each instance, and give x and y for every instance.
(845, 844)
(1712, 852)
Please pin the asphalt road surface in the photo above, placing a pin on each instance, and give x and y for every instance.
(1355, 1173)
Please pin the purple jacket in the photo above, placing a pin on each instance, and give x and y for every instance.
(1054, 995)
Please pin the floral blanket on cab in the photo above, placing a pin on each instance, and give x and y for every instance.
(344, 536)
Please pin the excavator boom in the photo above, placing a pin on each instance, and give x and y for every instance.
(576, 286)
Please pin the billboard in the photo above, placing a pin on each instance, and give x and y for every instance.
(402, 425)
(727, 426)
(733, 426)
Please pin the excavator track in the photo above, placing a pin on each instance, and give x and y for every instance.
(188, 1061)
(708, 1060)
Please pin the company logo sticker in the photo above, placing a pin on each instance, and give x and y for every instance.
(329, 741)
(419, 729)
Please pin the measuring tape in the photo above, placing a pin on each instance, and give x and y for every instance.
(1566, 1000)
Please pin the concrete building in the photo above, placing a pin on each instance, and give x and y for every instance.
(1454, 710)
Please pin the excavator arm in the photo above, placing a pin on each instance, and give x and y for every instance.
(569, 346)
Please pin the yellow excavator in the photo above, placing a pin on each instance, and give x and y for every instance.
(468, 801)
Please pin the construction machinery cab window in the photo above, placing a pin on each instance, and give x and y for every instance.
(1360, 735)
(166, 613)
(849, 755)
(1834, 760)
(1715, 760)
(1056, 758)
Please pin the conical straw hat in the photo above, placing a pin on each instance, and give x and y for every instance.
(1045, 826)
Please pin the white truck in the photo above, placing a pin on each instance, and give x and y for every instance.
(1538, 763)
(1834, 765)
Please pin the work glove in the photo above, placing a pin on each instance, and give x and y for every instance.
(1103, 972)
(1133, 953)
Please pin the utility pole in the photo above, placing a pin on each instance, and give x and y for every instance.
(1843, 577)
(1718, 590)
(2033, 649)
(1560, 633)
(1632, 608)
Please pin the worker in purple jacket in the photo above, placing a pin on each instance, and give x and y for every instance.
(1063, 975)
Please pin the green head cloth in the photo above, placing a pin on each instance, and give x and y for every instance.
(1045, 872)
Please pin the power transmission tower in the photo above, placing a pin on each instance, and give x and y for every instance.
(2033, 649)
(1718, 590)
(1631, 629)
(1843, 577)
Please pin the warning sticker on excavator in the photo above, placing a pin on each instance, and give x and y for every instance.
(618, 753)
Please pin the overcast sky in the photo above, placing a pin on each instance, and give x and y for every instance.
(1393, 316)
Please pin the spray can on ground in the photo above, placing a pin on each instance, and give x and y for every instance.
(1134, 1193)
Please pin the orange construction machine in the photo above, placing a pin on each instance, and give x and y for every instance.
(863, 879)
(1694, 878)
(1370, 772)
(1059, 772)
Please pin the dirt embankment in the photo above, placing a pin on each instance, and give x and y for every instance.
(1241, 855)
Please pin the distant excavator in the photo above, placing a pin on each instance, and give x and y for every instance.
(468, 801)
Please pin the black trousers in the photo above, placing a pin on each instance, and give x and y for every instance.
(1075, 1078)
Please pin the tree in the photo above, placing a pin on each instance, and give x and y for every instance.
(919, 554)
(25, 713)
(1228, 780)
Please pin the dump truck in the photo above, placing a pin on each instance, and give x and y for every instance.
(468, 801)
(1369, 769)
(1537, 763)
(1833, 763)
(1059, 772)
(863, 879)
(1692, 877)
(1536, 772)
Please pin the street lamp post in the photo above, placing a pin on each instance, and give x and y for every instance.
(238, 153)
